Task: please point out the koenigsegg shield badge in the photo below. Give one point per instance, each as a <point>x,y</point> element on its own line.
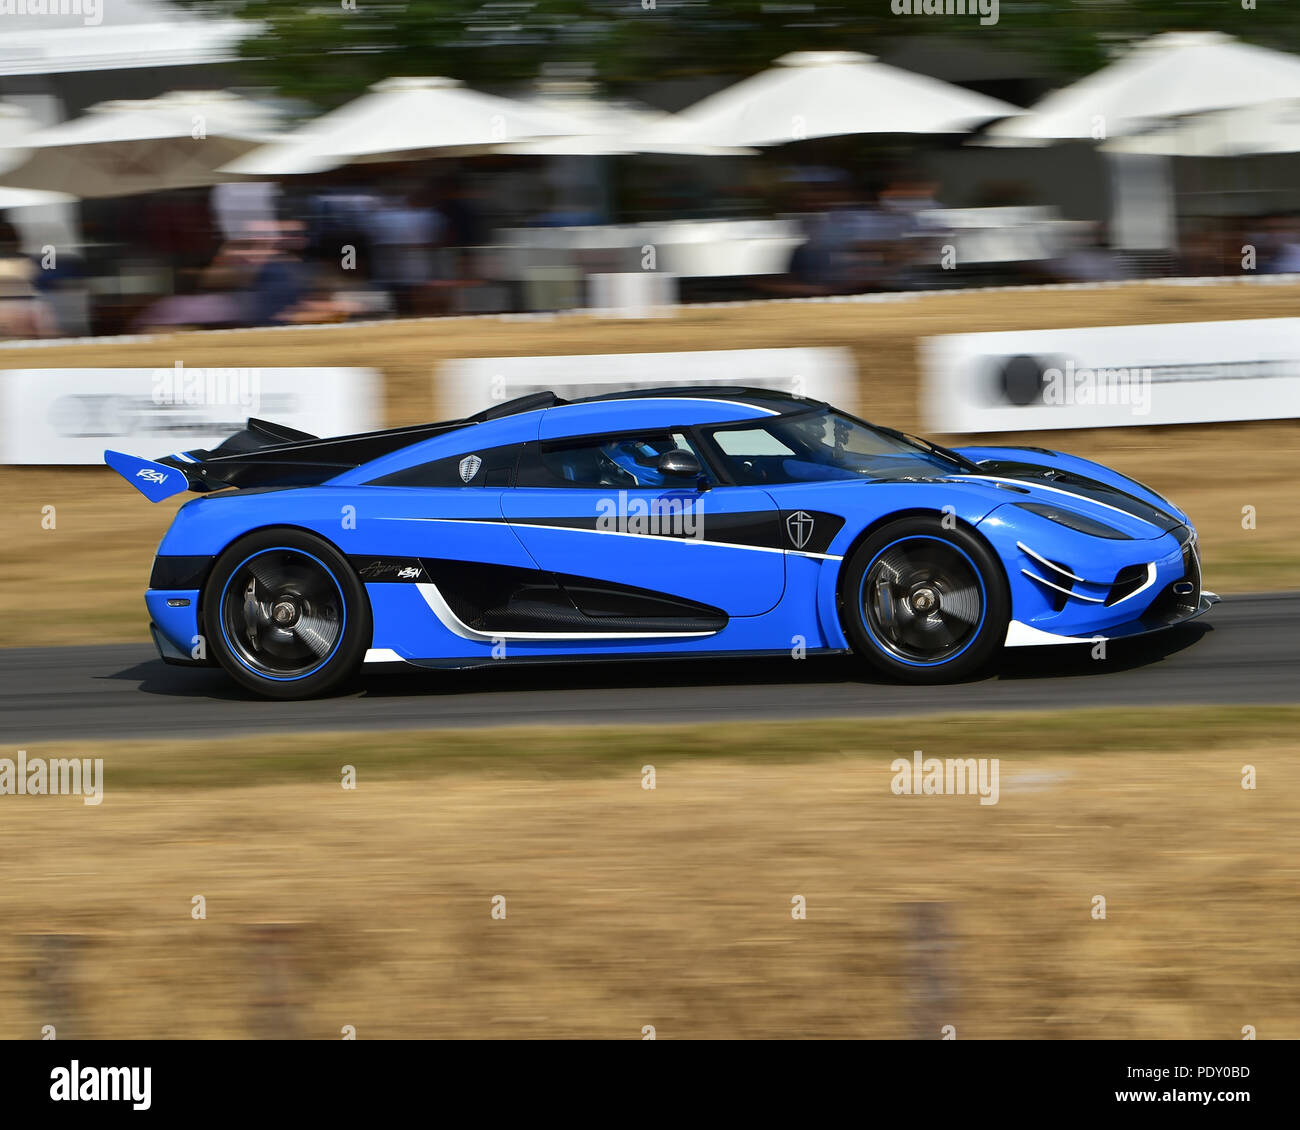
<point>469,467</point>
<point>800,528</point>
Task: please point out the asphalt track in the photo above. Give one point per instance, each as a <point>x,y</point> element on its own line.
<point>1243,651</point>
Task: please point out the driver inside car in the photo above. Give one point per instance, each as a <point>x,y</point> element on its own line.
<point>639,458</point>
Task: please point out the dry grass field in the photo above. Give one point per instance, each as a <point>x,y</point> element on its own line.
<point>106,531</point>
<point>627,907</point>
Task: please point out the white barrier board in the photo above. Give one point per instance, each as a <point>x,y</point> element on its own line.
<point>50,416</point>
<point>1112,376</point>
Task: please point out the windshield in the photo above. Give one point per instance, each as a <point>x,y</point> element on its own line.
<point>820,445</point>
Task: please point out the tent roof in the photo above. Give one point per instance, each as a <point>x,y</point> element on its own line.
<point>1166,76</point>
<point>404,119</point>
<point>828,93</point>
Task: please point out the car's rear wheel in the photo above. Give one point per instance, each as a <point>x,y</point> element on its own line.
<point>285,614</point>
<point>923,603</point>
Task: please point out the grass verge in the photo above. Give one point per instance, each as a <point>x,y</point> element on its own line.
<point>598,751</point>
<point>669,907</point>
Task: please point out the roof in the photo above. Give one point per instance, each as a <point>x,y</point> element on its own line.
<point>761,399</point>
<point>268,454</point>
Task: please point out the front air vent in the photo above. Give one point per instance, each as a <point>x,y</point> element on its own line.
<point>1127,581</point>
<point>1061,576</point>
<point>1057,581</point>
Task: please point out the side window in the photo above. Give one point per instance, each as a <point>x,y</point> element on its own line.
<point>622,462</point>
<point>752,455</point>
<point>754,441</point>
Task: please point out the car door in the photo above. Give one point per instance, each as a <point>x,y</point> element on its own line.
<point>596,507</point>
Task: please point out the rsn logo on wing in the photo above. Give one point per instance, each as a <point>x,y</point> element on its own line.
<point>150,475</point>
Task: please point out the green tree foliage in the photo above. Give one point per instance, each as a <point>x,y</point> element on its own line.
<point>328,51</point>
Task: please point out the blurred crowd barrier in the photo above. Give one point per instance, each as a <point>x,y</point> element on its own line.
<point>249,254</point>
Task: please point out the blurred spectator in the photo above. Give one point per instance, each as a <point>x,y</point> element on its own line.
<point>179,226</point>
<point>221,297</point>
<point>906,202</point>
<point>1090,258</point>
<point>238,206</point>
<point>404,234</point>
<point>1285,257</point>
<point>1208,248</point>
<point>461,207</point>
<point>467,230</point>
<point>913,254</point>
<point>339,216</point>
<point>23,313</point>
<point>845,249</point>
<point>280,281</point>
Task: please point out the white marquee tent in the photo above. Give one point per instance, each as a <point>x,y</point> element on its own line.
<point>405,119</point>
<point>810,94</point>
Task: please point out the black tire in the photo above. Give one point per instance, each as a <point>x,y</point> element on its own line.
<point>925,604</point>
<point>285,614</point>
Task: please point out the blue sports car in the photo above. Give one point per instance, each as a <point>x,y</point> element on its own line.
<point>650,524</point>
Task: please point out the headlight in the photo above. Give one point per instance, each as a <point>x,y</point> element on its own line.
<point>1074,521</point>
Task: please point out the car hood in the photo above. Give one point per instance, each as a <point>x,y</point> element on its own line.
<point>1057,479</point>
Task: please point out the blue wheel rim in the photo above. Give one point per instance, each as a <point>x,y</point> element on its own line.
<point>922,600</point>
<point>267,582</point>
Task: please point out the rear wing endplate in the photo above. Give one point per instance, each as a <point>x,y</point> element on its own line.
<point>155,481</point>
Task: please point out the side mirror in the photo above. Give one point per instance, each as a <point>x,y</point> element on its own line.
<point>678,464</point>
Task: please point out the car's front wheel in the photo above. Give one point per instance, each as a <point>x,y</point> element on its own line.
<point>285,614</point>
<point>924,603</point>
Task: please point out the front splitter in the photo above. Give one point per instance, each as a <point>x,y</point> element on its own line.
<point>1026,635</point>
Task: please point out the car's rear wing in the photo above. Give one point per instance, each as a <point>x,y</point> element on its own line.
<point>155,481</point>
<point>201,469</point>
<point>264,455</point>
